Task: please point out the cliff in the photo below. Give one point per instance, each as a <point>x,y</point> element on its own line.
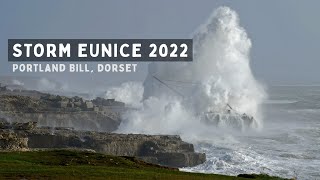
<point>157,149</point>
<point>59,111</point>
<point>49,122</point>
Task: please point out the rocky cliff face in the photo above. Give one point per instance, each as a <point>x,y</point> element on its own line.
<point>10,141</point>
<point>60,122</point>
<point>158,149</point>
<point>91,121</point>
<point>54,111</point>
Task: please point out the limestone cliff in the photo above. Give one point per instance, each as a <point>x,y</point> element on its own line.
<point>50,121</point>
<point>158,149</point>
<point>58,111</point>
<point>10,141</point>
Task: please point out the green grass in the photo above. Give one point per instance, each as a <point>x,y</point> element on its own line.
<point>65,164</point>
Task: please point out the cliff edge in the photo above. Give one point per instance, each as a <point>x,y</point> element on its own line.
<point>167,150</point>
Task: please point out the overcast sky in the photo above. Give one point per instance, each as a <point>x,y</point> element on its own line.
<point>285,34</point>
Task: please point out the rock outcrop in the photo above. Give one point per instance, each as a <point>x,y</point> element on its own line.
<point>50,121</point>
<point>10,141</point>
<point>168,150</point>
<point>158,149</point>
<point>59,111</point>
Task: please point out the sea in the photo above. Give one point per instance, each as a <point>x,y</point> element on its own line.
<point>287,145</point>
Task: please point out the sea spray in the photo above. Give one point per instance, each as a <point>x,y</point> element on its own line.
<point>220,75</point>
<point>128,92</point>
<point>177,95</point>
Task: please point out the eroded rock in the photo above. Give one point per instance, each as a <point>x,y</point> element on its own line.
<point>10,141</point>
<point>165,150</point>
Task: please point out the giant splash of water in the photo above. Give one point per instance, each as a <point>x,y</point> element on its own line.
<point>219,75</point>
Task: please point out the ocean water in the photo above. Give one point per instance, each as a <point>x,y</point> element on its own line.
<point>284,140</point>
<point>288,144</point>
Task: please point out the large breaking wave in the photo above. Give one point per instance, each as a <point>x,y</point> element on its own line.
<point>176,94</point>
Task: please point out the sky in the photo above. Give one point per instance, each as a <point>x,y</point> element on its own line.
<point>285,34</point>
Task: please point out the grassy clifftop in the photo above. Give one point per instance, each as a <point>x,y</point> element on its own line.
<point>63,164</point>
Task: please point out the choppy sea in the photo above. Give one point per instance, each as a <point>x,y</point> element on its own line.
<point>288,144</point>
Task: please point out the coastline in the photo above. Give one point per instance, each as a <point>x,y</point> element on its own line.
<point>72,164</point>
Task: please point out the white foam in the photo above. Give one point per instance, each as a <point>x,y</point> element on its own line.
<point>219,75</point>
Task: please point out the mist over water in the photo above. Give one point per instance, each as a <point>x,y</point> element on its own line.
<point>129,92</point>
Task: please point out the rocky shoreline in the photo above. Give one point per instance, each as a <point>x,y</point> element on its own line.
<point>31,120</point>
<point>157,149</point>
<point>63,130</point>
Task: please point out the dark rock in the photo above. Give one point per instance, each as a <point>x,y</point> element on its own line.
<point>4,124</point>
<point>249,176</point>
<point>24,126</point>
